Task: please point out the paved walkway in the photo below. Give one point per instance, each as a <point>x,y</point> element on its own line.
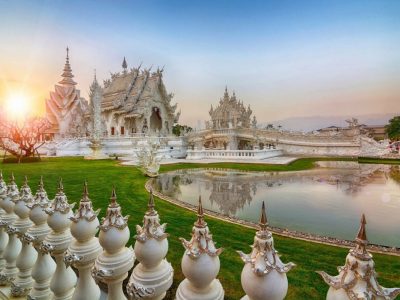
<point>278,160</point>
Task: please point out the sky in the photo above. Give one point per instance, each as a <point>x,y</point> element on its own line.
<point>285,58</point>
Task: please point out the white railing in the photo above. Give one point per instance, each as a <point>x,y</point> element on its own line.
<point>40,240</point>
<point>233,154</point>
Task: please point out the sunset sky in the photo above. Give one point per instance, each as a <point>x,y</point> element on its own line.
<point>284,58</point>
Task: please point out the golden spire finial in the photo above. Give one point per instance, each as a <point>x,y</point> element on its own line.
<point>362,234</point>
<point>263,219</point>
<point>200,216</point>
<point>113,198</point>
<point>150,204</point>
<point>41,184</point>
<point>85,193</point>
<point>60,186</point>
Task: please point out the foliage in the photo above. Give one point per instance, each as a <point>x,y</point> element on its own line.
<point>23,139</point>
<point>304,283</point>
<point>393,128</point>
<point>179,130</point>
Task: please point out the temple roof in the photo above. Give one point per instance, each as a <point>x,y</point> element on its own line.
<point>127,91</point>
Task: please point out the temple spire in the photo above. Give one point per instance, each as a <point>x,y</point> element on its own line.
<point>124,65</point>
<point>67,73</point>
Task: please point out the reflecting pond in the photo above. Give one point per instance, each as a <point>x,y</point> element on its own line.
<point>327,200</point>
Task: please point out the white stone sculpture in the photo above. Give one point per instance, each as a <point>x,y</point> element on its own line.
<point>13,247</point>
<point>96,96</point>
<point>148,158</point>
<point>112,266</point>
<point>357,278</point>
<point>64,279</point>
<point>153,276</point>
<point>27,257</point>
<point>264,275</point>
<point>85,248</point>
<point>3,234</point>
<point>200,264</point>
<point>44,266</point>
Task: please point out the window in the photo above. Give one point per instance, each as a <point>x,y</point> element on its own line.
<point>122,130</point>
<point>112,131</point>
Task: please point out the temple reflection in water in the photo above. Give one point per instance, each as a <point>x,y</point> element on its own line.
<point>333,188</point>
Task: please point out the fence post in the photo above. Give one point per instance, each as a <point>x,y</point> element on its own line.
<point>3,234</point>
<point>28,255</point>
<point>112,266</point>
<point>264,274</point>
<point>200,264</point>
<point>85,248</point>
<point>45,266</point>
<point>64,279</point>
<point>13,247</point>
<point>153,276</point>
<point>357,278</point>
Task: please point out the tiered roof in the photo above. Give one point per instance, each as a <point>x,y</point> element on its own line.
<point>127,92</point>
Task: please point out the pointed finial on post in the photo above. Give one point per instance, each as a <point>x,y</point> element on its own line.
<point>60,186</point>
<point>263,218</point>
<point>151,205</point>
<point>67,53</point>
<point>124,64</point>
<point>41,184</point>
<point>200,216</point>
<point>362,235</point>
<point>12,178</point>
<point>85,193</point>
<point>26,180</point>
<point>1,174</point>
<point>113,198</point>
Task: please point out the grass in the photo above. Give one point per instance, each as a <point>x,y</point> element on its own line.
<point>304,283</point>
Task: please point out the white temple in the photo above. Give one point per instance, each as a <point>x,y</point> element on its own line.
<point>133,108</point>
<point>132,101</point>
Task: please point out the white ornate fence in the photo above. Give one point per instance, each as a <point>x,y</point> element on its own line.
<point>233,154</point>
<point>40,240</point>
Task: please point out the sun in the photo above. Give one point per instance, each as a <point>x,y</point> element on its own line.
<point>17,105</point>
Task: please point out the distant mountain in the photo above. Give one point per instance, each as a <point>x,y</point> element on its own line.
<point>318,122</point>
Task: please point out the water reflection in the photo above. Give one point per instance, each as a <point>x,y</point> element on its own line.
<point>313,201</point>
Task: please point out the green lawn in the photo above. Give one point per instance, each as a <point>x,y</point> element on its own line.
<point>304,283</point>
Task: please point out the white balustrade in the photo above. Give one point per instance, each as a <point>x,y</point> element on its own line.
<point>153,276</point>
<point>84,248</point>
<point>112,266</point>
<point>64,279</point>
<point>233,154</point>
<point>44,266</point>
<point>71,240</point>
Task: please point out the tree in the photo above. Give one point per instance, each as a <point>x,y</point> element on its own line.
<point>178,129</point>
<point>393,128</point>
<point>23,139</point>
